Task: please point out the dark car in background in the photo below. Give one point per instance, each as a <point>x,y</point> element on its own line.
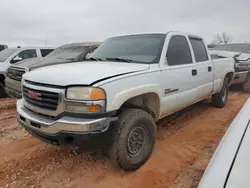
<point>68,53</point>
<point>2,47</point>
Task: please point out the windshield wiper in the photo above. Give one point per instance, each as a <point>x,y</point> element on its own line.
<point>119,59</point>
<point>95,59</point>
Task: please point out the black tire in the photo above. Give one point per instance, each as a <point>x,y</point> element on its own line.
<point>246,84</point>
<point>2,91</point>
<point>220,99</point>
<point>134,125</point>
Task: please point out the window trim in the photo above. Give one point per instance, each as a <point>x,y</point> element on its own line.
<point>189,47</point>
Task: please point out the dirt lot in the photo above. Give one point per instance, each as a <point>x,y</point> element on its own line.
<point>185,144</point>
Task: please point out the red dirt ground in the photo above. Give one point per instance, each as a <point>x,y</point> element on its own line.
<point>185,144</point>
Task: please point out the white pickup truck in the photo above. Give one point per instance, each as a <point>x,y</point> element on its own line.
<point>113,100</point>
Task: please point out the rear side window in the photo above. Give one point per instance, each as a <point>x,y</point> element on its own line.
<point>200,52</point>
<point>46,52</point>
<point>178,51</point>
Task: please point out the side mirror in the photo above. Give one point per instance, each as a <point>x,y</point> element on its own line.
<point>16,59</point>
<point>88,55</point>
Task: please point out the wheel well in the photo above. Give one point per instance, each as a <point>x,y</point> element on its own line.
<point>149,102</point>
<point>2,77</point>
<point>230,77</point>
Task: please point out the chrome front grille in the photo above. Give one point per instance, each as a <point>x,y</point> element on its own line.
<point>45,100</point>
<point>42,99</point>
<point>15,73</point>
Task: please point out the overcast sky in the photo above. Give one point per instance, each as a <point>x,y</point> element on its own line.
<point>28,22</point>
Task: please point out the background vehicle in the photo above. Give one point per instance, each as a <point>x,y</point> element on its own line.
<point>13,55</point>
<point>241,53</point>
<point>2,47</point>
<point>228,167</point>
<point>63,54</point>
<point>113,101</point>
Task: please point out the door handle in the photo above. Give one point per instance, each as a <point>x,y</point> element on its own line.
<point>194,72</point>
<point>209,69</point>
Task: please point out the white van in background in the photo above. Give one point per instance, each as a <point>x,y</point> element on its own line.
<point>13,55</point>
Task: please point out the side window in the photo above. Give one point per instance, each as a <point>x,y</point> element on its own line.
<point>46,52</point>
<point>178,51</point>
<point>27,54</point>
<point>200,52</point>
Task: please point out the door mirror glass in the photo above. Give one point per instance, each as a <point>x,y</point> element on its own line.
<point>90,52</point>
<point>88,55</point>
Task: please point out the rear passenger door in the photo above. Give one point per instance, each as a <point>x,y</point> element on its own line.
<point>204,68</point>
<point>179,76</point>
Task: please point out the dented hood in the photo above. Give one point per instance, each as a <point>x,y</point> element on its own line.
<point>82,73</point>
<point>35,63</point>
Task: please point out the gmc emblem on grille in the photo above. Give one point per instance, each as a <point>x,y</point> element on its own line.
<point>34,95</point>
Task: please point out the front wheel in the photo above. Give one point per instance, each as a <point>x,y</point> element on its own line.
<point>133,139</point>
<point>220,99</point>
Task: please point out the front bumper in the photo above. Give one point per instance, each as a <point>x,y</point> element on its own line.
<point>240,77</point>
<point>240,67</point>
<point>13,88</point>
<point>64,131</point>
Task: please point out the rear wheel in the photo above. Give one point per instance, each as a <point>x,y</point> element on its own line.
<point>220,99</point>
<point>2,91</point>
<point>134,139</point>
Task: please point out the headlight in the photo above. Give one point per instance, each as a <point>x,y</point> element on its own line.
<point>85,93</point>
<point>85,99</point>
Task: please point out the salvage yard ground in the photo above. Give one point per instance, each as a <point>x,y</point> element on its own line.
<point>185,143</point>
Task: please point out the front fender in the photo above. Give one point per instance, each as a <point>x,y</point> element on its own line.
<point>3,71</point>
<point>121,97</point>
